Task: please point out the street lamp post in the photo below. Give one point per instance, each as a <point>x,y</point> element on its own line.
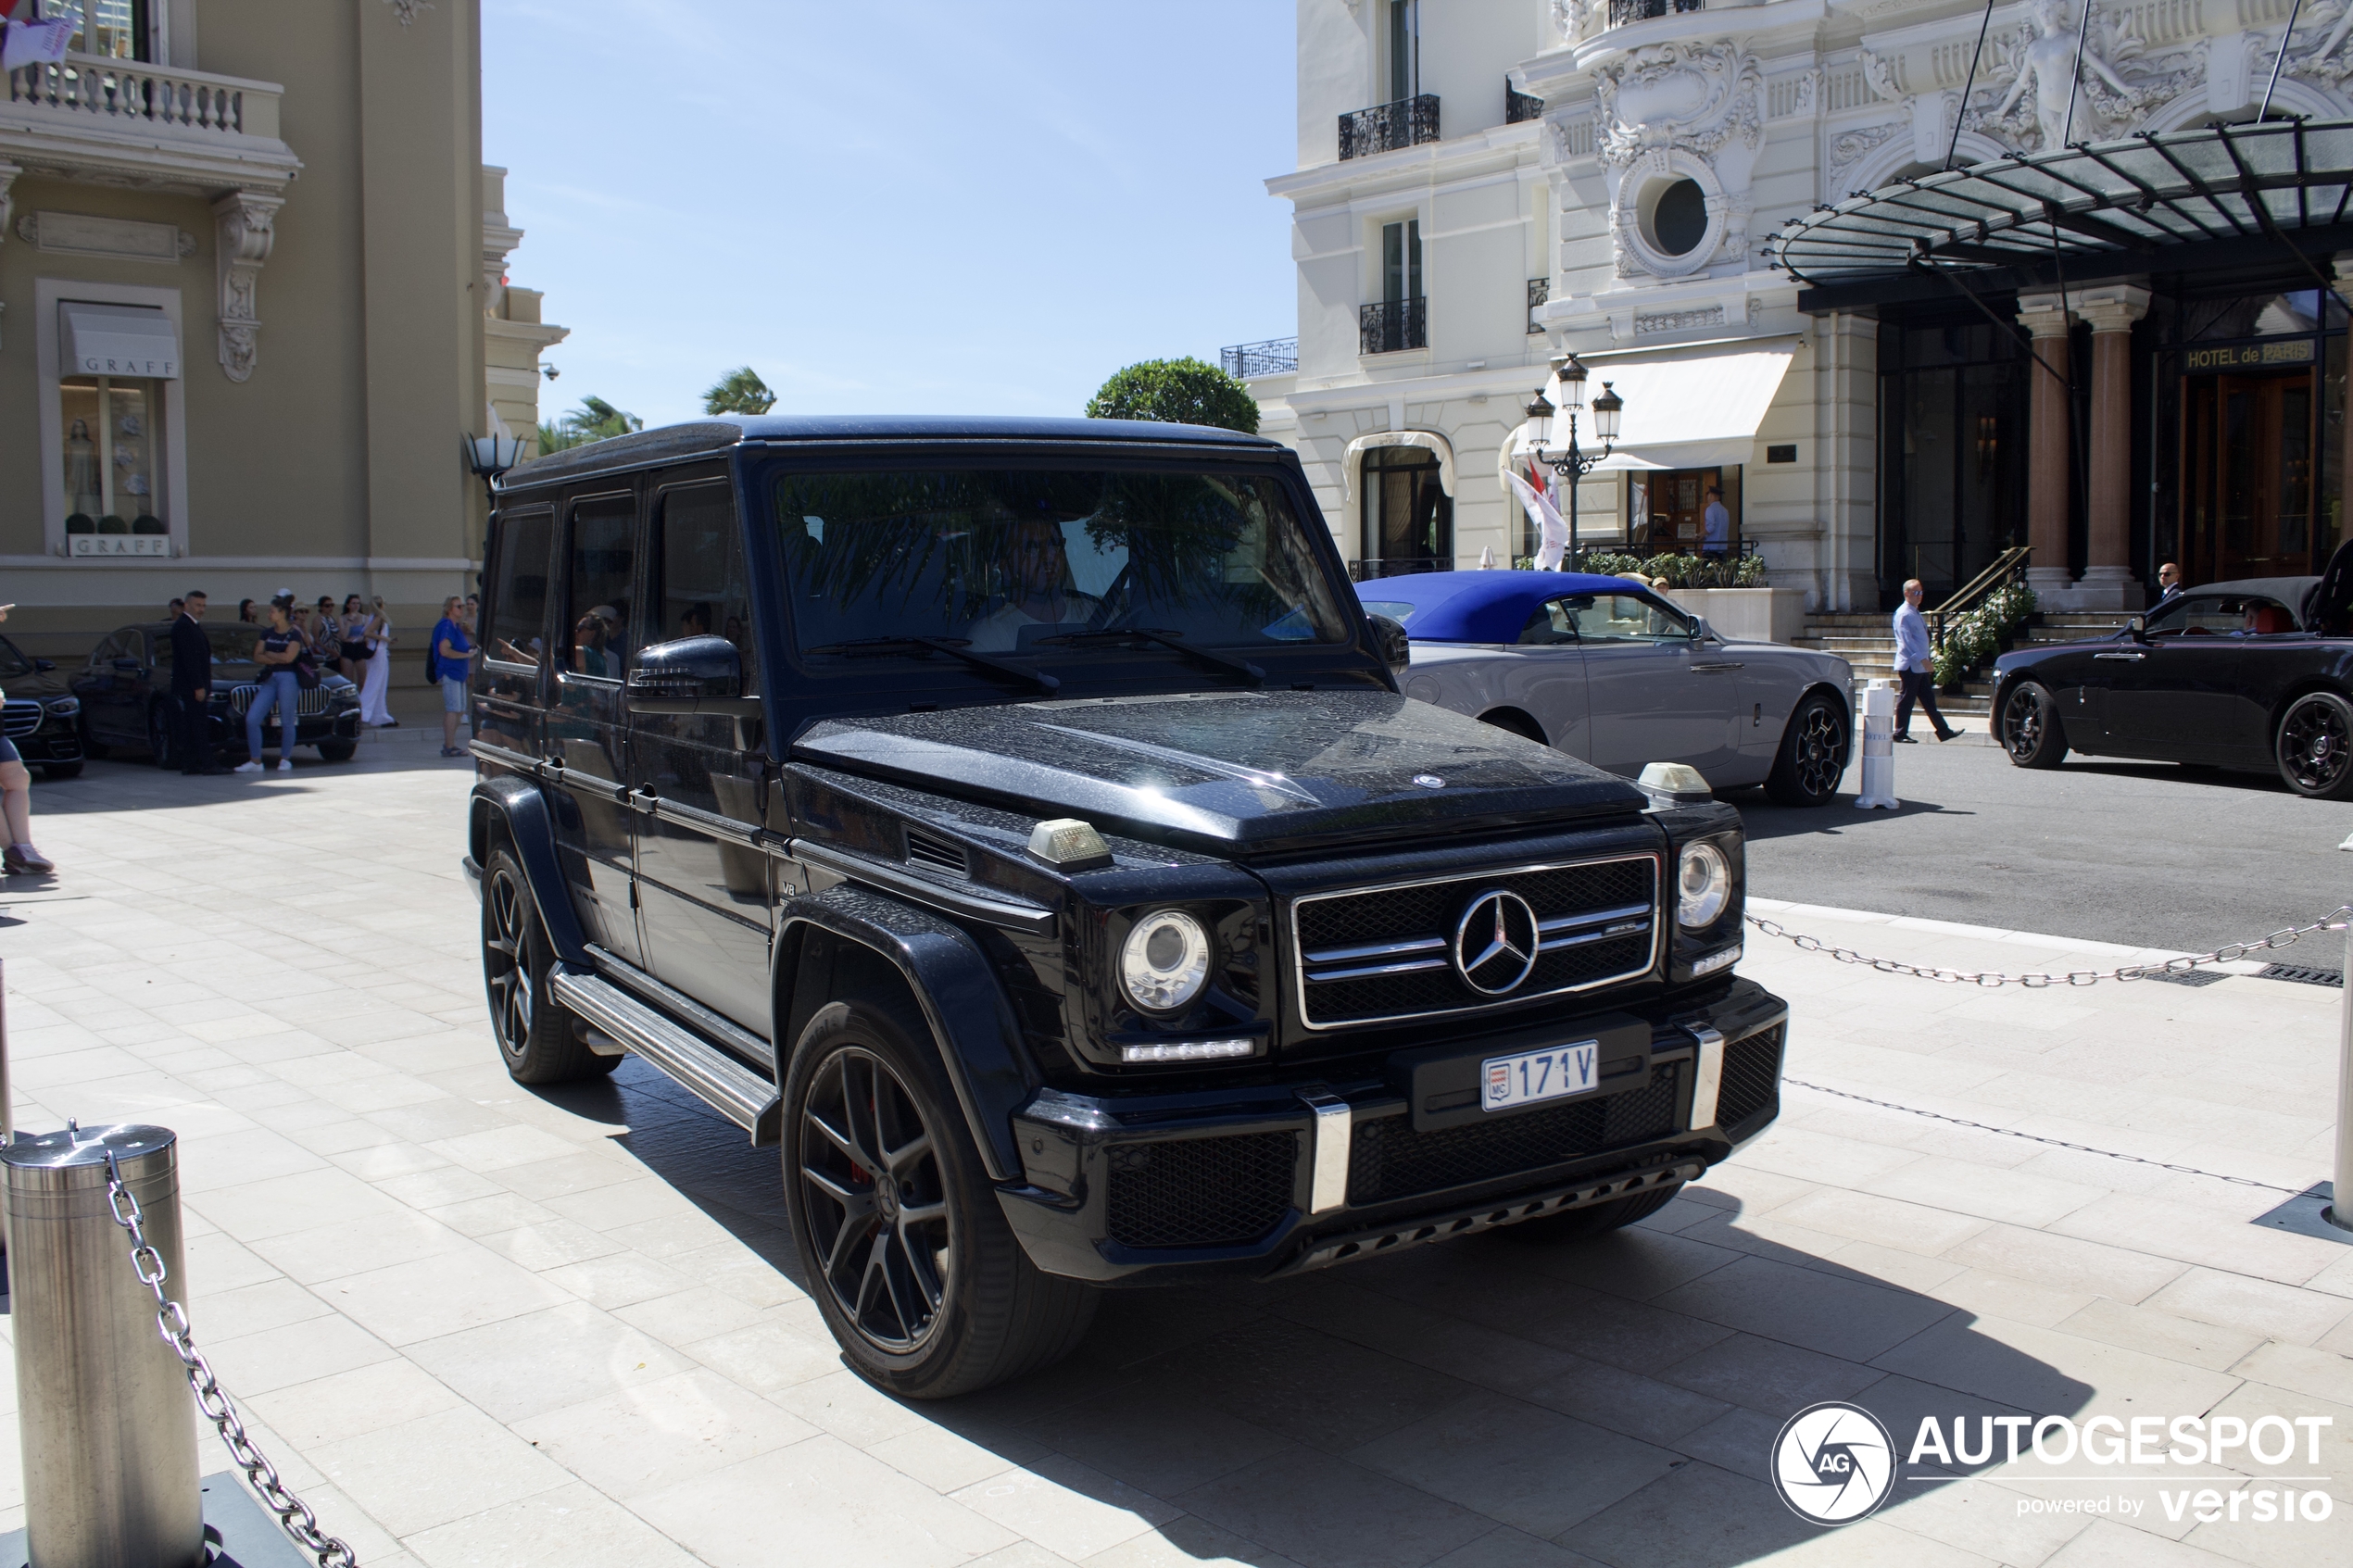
<point>1575,463</point>
<point>490,456</point>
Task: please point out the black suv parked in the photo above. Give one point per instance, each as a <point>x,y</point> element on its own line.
<point>1018,823</point>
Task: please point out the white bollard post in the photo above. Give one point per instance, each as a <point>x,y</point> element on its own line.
<point>2340,1210</point>
<point>1879,746</point>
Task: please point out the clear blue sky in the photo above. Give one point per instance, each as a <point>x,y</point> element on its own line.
<point>926,206</point>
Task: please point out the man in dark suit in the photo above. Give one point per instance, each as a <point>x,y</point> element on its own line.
<point>192,688</point>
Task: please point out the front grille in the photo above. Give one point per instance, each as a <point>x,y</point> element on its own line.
<point>1752,1078</point>
<point>1388,1160</point>
<point>23,716</point>
<point>316,703</point>
<point>1200,1192</point>
<point>1378,954</point>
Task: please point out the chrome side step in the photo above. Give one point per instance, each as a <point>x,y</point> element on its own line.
<point>733,1091</point>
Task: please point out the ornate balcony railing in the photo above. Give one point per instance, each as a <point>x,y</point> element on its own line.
<point>1393,326</point>
<point>127,94</point>
<point>1276,356</point>
<point>1384,128</point>
<point>1519,105</point>
<point>1540,291</point>
<point>1624,11</point>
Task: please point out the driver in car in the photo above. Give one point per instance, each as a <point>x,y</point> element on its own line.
<point>1038,588</point>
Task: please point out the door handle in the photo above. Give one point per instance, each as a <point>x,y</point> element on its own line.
<point>2129,657</point>
<point>1701,667</point>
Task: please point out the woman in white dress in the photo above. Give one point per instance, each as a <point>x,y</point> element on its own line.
<point>378,679</point>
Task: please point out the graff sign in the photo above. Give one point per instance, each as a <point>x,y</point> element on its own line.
<point>2249,355</point>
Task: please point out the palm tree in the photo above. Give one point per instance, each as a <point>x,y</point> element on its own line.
<point>740,391</point>
<point>596,420</point>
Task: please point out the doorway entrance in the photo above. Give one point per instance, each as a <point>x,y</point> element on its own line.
<point>2247,495</point>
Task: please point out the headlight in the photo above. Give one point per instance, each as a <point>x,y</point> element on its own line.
<point>1704,883</point>
<point>1165,960</point>
<point>66,707</point>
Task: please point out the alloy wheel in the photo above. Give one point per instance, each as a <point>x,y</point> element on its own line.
<point>2023,722</point>
<point>873,1195</point>
<point>506,964</point>
<point>1820,752</point>
<point>2315,749</point>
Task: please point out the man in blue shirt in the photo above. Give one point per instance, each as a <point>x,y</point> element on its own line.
<point>452,657</point>
<point>1916,666</point>
<point>1718,541</point>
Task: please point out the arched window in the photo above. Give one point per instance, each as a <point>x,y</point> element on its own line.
<point>1409,519</point>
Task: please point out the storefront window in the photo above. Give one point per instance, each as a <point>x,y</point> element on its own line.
<point>1669,507</point>
<point>112,425</point>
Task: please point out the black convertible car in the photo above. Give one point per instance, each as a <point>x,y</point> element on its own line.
<point>2229,675</point>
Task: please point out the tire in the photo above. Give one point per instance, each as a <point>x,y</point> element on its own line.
<point>2032,732</point>
<point>1518,723</point>
<point>1812,758</point>
<point>338,750</point>
<point>60,770</point>
<point>535,1034</point>
<point>1577,1225</point>
<point>159,737</point>
<point>901,1241</point>
<point>2314,746</point>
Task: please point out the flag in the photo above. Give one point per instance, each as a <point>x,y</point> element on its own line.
<point>29,44</point>
<point>1551,533</point>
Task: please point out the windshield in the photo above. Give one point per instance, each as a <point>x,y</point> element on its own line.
<point>1007,561</point>
<point>11,661</point>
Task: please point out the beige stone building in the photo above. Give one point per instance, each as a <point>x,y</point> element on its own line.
<point>252,305</point>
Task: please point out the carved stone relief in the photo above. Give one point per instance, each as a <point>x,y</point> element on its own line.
<point>9,172</point>
<point>1676,111</point>
<point>245,227</point>
<point>2030,79</point>
<point>1851,147</point>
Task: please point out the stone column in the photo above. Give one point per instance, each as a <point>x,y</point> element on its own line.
<point>2047,446</point>
<point>2108,583</point>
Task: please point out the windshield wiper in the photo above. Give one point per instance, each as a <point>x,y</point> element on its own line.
<point>1210,657</point>
<point>953,646</point>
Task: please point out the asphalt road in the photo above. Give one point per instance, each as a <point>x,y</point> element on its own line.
<point>2147,853</point>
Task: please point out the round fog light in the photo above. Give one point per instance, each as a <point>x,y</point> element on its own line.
<point>1164,962</point>
<point>1705,886</point>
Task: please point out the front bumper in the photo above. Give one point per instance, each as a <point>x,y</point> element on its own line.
<point>55,741</point>
<point>1279,1177</point>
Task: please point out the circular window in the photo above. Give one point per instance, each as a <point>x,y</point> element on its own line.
<point>1679,219</point>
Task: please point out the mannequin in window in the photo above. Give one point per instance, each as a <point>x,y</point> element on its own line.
<point>81,471</point>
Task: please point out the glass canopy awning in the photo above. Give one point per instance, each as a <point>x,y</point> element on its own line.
<point>2109,200</point>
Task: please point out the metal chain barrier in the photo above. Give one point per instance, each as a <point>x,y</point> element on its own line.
<point>171,1319</point>
<point>2335,919</point>
<point>2036,1137</point>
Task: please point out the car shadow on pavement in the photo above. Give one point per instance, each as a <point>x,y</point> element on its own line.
<point>2230,779</point>
<point>1619,1397</point>
<point>1763,820</point>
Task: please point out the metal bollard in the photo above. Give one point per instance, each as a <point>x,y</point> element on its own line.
<point>109,1442</point>
<point>1879,746</point>
<point>2340,1210</point>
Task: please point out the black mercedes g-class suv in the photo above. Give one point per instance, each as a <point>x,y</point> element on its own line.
<point>1018,823</point>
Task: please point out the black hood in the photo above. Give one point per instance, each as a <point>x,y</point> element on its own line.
<point>1234,773</point>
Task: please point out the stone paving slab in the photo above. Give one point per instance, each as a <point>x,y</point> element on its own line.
<point>477,1323</point>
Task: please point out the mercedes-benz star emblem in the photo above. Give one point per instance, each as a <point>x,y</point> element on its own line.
<point>1429,781</point>
<point>1495,944</point>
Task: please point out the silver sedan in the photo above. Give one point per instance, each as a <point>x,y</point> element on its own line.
<point>1608,671</point>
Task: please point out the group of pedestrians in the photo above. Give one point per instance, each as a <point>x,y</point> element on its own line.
<point>294,646</point>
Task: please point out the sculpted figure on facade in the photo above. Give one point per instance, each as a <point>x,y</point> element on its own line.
<point>2042,59</point>
<point>1568,18</point>
<point>1677,111</point>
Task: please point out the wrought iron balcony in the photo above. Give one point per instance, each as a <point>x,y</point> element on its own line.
<point>1276,356</point>
<point>1519,105</point>
<point>1384,128</point>
<point>1540,291</point>
<point>1393,326</point>
<point>1624,11</point>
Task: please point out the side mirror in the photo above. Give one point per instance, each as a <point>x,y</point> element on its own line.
<point>43,666</point>
<point>2138,628</point>
<point>1388,636</point>
<point>691,675</point>
<point>126,665</point>
<point>1699,628</point>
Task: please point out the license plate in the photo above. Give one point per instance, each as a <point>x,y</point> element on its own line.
<point>1557,1073</point>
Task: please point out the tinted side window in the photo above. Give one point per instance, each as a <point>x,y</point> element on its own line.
<point>1552,622</point>
<point>519,592</point>
<point>1625,617</point>
<point>604,560</point>
<point>106,653</point>
<point>698,588</point>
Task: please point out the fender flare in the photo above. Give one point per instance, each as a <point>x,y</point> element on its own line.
<point>519,804</point>
<point>972,1024</point>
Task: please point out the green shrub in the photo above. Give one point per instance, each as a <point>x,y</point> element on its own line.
<point>82,523</point>
<point>112,524</point>
<point>1183,392</point>
<point>1976,636</point>
<point>148,523</point>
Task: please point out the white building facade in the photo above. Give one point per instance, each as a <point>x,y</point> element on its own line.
<point>1484,183</point>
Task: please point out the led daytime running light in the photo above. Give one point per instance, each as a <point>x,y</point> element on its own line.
<point>1188,1050</point>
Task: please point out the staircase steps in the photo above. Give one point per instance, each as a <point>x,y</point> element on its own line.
<point>1867,641</point>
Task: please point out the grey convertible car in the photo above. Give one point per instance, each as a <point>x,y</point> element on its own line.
<point>1608,671</point>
